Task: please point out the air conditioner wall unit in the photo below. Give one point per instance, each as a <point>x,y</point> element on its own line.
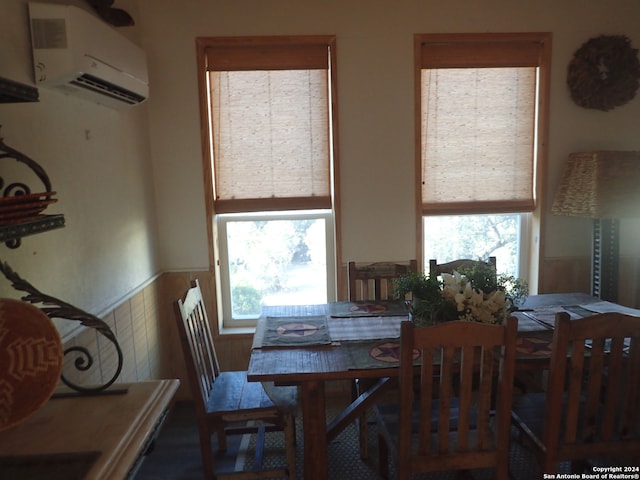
<point>78,54</point>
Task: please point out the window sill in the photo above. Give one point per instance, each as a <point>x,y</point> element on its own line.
<point>241,331</point>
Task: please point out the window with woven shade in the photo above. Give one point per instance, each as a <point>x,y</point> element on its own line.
<point>480,130</point>
<point>268,117</point>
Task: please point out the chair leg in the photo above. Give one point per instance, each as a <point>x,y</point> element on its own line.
<point>363,435</point>
<point>580,466</point>
<point>501,471</point>
<point>290,444</point>
<point>363,427</point>
<point>383,457</point>
<point>206,454</point>
<point>222,439</point>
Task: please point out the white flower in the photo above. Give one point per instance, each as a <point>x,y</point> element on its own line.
<point>473,304</point>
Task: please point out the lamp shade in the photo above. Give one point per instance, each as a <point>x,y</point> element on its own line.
<point>599,184</point>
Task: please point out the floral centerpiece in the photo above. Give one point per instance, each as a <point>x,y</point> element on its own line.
<point>474,294</point>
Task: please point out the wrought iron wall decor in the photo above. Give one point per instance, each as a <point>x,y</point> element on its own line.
<point>21,209</point>
<point>56,308</point>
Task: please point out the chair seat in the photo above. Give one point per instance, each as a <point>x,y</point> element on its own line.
<point>387,416</point>
<point>527,416</point>
<point>232,392</point>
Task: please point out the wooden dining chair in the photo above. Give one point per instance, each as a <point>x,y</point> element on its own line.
<point>591,407</point>
<point>436,269</point>
<point>372,281</point>
<point>465,424</point>
<point>225,401</point>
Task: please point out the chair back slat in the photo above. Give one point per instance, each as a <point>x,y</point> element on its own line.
<point>465,396</point>
<point>487,382</point>
<point>436,269</point>
<point>374,281</point>
<point>574,390</point>
<point>474,365</point>
<point>426,403</point>
<point>197,344</point>
<point>594,384</point>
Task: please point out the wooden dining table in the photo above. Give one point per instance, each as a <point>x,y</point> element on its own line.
<point>310,345</point>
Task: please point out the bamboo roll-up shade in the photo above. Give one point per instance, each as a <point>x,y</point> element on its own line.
<point>271,139</point>
<point>478,140</point>
<point>599,184</point>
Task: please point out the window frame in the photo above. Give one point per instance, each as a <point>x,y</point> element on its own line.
<point>202,44</point>
<point>532,250</point>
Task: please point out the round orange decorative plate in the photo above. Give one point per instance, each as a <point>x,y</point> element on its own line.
<point>30,358</point>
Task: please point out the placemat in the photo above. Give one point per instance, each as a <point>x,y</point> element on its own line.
<point>382,353</point>
<point>296,331</point>
<point>378,308</point>
<point>364,328</point>
<point>534,346</point>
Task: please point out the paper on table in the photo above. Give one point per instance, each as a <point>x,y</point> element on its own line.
<point>605,307</point>
<point>547,315</point>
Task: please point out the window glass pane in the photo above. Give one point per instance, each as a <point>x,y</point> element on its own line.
<point>275,262</point>
<point>448,238</point>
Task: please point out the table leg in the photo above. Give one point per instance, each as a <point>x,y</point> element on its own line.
<point>314,425</point>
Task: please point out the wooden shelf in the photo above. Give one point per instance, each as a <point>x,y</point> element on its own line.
<point>12,234</point>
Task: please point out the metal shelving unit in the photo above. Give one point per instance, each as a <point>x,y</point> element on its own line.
<point>12,234</point>
<point>21,211</point>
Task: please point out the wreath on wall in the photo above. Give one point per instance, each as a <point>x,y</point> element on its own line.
<point>604,72</point>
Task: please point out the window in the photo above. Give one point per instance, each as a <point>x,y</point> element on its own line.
<point>478,236</point>
<point>482,121</point>
<point>270,160</point>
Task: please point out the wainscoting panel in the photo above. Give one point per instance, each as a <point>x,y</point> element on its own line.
<point>573,274</point>
<point>135,323</point>
<point>566,275</point>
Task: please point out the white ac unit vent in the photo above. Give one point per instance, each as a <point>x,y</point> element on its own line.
<point>78,54</point>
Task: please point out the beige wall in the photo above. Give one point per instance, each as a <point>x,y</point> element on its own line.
<point>130,182</point>
<point>375,94</point>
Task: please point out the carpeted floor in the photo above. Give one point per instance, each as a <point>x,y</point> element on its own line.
<point>176,455</point>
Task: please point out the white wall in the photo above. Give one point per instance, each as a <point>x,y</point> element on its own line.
<point>99,164</point>
<point>375,91</point>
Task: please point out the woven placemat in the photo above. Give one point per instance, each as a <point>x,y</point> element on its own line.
<point>377,308</point>
<point>296,332</point>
